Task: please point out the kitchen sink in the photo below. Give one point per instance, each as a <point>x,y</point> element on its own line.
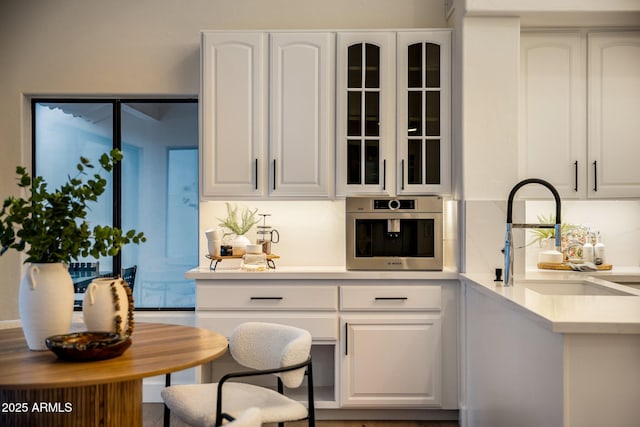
<point>634,285</point>
<point>575,288</point>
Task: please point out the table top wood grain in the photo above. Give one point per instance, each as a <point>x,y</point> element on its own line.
<point>156,349</point>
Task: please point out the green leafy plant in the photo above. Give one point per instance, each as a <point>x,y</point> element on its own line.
<point>242,225</point>
<point>51,226</point>
<point>541,234</point>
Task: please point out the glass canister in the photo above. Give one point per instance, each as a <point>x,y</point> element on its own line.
<point>254,259</point>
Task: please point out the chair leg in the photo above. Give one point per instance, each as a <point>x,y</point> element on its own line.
<point>281,391</point>
<point>167,412</point>
<point>311,405</point>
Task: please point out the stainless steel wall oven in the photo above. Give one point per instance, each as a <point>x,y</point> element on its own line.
<point>394,233</point>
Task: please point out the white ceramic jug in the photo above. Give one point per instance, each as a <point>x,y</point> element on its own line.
<point>45,302</point>
<point>104,300</point>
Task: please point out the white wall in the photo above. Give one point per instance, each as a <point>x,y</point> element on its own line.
<point>142,47</point>
<point>311,232</point>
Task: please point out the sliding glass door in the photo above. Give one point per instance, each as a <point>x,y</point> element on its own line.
<point>154,189</point>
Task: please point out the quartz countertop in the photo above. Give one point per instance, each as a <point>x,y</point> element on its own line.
<point>570,313</point>
<point>314,273</point>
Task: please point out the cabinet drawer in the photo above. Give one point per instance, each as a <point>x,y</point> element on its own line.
<point>322,327</point>
<point>267,297</point>
<point>390,298</point>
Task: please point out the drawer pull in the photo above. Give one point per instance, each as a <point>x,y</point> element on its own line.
<point>391,298</point>
<point>266,298</point>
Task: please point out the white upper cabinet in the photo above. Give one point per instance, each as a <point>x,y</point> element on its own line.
<point>301,108</point>
<point>579,99</point>
<point>232,114</point>
<point>365,111</point>
<point>254,81</point>
<point>614,114</point>
<point>313,114</point>
<point>424,112</point>
<point>552,141</point>
<point>393,112</point>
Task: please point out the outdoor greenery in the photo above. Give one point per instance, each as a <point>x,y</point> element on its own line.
<point>242,225</point>
<point>51,226</point>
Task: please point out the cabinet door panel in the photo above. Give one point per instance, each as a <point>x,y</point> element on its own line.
<point>424,112</point>
<point>232,108</point>
<point>552,142</point>
<point>365,112</point>
<point>411,345</point>
<point>614,103</point>
<point>301,120</point>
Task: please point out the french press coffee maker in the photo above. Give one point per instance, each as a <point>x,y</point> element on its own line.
<point>267,235</point>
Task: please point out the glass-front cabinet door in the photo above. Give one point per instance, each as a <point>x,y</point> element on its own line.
<point>365,112</point>
<point>424,109</point>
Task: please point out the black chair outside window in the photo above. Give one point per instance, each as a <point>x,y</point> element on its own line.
<point>82,274</point>
<point>129,275</point>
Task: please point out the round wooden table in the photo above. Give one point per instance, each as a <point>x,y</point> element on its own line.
<point>37,388</point>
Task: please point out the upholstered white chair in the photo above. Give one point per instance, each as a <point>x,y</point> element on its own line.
<point>249,418</point>
<point>267,349</point>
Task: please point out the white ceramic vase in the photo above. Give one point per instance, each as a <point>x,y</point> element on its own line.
<point>45,302</point>
<point>239,245</point>
<point>99,308</point>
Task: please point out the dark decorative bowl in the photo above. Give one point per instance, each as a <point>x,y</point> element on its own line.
<point>88,346</point>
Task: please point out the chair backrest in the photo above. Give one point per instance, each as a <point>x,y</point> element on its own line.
<point>129,275</point>
<point>84,266</point>
<point>260,345</point>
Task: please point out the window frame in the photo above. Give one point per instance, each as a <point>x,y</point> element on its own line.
<point>116,104</point>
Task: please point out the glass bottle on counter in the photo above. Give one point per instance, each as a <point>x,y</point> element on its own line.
<point>587,249</point>
<point>598,252</point>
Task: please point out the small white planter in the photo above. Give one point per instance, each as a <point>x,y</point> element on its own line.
<point>45,302</point>
<point>239,245</point>
<point>99,308</point>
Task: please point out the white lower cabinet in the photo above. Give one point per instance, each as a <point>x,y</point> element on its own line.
<point>391,346</point>
<point>391,360</point>
<point>375,346</point>
<point>221,306</point>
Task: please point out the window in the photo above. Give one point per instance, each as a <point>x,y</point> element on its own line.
<point>154,189</point>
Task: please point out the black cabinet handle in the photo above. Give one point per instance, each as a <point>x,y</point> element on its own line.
<point>402,174</point>
<point>391,298</point>
<point>575,169</point>
<point>384,174</point>
<point>346,339</point>
<point>595,175</point>
<point>266,298</point>
<point>256,169</point>
<point>274,174</point>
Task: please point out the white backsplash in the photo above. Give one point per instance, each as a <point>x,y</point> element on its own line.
<point>311,232</point>
<point>617,220</point>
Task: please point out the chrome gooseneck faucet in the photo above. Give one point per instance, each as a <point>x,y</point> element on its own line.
<point>508,245</point>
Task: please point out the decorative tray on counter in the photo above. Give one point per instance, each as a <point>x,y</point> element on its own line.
<point>216,259</point>
<point>565,266</point>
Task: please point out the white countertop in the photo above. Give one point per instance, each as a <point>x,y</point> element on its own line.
<point>314,273</point>
<point>570,313</point>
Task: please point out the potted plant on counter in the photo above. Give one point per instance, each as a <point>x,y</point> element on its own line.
<point>51,227</point>
<point>239,227</point>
